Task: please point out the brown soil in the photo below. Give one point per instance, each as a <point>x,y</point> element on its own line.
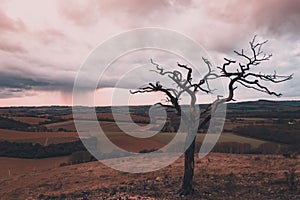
<point>30,120</point>
<point>70,125</point>
<point>134,144</point>
<point>109,116</point>
<point>38,137</point>
<point>218,176</point>
<point>18,166</point>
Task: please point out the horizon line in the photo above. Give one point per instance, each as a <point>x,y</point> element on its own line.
<point>204,103</point>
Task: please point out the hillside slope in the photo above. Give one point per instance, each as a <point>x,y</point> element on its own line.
<point>219,176</point>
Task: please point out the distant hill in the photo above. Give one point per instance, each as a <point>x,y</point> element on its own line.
<point>264,109</point>
<point>253,109</point>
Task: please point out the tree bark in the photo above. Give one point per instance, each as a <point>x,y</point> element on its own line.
<point>187,185</point>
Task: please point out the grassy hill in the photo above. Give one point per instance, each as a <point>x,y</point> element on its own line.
<point>219,176</point>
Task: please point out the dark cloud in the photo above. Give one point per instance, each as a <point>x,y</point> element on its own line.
<point>4,94</point>
<point>15,90</point>
<point>279,17</point>
<point>273,16</point>
<point>15,82</point>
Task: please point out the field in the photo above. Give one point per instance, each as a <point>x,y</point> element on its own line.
<point>219,176</point>
<point>229,137</point>
<point>122,140</point>
<point>243,175</point>
<point>43,138</point>
<point>165,138</point>
<point>13,167</point>
<point>68,125</point>
<point>30,120</point>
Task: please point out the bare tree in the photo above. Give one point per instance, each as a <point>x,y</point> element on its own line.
<point>240,73</point>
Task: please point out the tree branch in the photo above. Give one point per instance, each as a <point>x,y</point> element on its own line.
<point>244,77</point>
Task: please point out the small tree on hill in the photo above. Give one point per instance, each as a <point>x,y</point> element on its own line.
<point>238,74</point>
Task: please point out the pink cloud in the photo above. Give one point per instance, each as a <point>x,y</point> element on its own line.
<point>49,35</point>
<point>11,47</point>
<point>86,12</point>
<point>9,24</point>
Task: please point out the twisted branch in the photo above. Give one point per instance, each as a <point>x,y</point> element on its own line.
<point>244,77</point>
<point>182,84</point>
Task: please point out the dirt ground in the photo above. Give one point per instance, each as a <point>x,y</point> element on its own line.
<point>37,137</point>
<point>19,166</point>
<point>217,176</point>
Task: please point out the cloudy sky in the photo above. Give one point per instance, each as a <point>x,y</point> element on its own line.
<point>44,42</point>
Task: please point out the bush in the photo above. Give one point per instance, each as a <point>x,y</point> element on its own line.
<point>291,179</point>
<point>268,148</point>
<point>232,147</point>
<point>285,134</point>
<point>147,150</point>
<point>80,157</point>
<point>30,150</point>
<point>6,123</point>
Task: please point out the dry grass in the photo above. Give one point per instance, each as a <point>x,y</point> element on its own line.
<point>108,116</point>
<point>224,176</point>
<point>37,137</point>
<point>133,144</point>
<point>122,117</point>
<point>30,120</point>
<point>68,125</point>
<point>12,167</point>
<point>105,125</point>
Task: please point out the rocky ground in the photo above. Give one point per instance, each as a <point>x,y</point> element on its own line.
<point>218,176</point>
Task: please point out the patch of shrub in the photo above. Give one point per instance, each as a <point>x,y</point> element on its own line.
<point>283,134</point>
<point>232,147</point>
<point>147,150</point>
<point>80,157</point>
<point>268,148</point>
<point>30,150</point>
<point>6,123</point>
<point>290,177</point>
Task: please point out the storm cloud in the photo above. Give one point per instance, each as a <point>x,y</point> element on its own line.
<point>44,43</point>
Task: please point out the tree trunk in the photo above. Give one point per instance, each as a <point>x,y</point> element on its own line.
<point>187,185</point>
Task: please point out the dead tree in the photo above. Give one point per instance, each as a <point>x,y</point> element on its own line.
<point>241,74</point>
